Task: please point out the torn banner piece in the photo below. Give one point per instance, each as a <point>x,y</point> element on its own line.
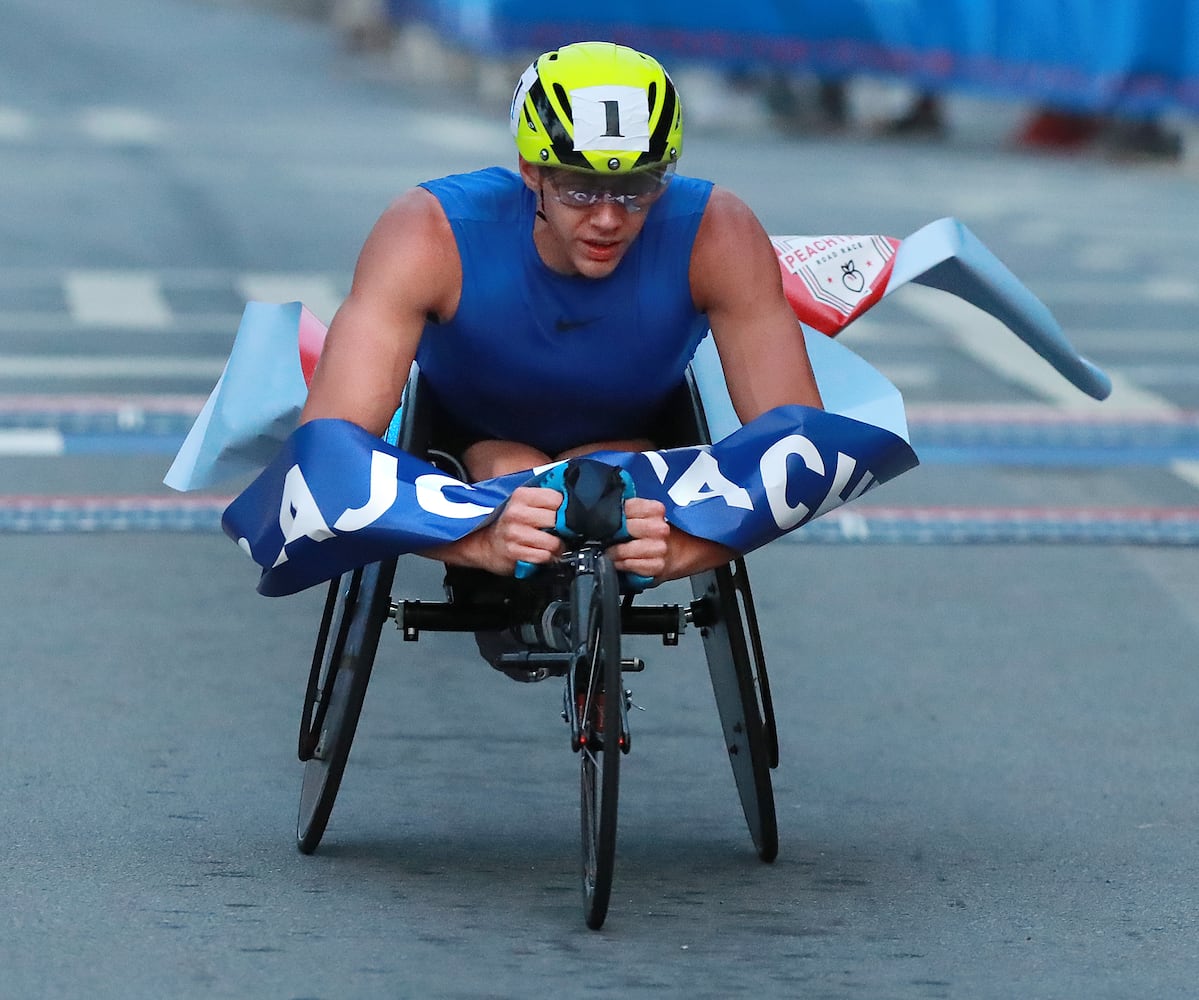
<point>832,280</point>
<point>337,497</point>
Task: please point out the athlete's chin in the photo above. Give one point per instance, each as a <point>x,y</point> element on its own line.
<point>598,261</point>
<point>589,269</point>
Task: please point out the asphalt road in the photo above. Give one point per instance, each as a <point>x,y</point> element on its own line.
<point>989,759</point>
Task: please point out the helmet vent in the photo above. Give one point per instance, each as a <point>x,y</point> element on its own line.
<point>564,100</point>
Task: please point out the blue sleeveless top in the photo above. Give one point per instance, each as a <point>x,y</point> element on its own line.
<point>551,360</point>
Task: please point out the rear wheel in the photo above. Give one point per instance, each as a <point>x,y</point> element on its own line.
<point>599,701</point>
<point>738,670</point>
<point>355,610</point>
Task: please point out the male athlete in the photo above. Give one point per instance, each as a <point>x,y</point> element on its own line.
<point>552,311</point>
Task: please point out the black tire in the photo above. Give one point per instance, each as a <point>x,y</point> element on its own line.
<point>600,700</point>
<point>358,605</point>
<point>738,671</point>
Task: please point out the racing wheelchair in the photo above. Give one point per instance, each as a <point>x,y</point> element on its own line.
<point>574,615</point>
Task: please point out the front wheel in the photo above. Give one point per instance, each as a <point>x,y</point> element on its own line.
<point>599,702</point>
<point>356,608</point>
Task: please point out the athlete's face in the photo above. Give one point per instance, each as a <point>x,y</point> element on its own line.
<point>586,230</point>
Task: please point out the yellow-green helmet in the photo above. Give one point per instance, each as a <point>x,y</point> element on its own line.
<point>597,106</point>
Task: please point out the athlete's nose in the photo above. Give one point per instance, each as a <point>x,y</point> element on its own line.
<point>608,215</point>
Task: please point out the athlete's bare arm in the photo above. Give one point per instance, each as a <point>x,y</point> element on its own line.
<point>735,279</point>
<point>408,269</point>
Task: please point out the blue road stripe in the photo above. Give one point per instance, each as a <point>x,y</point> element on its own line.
<point>133,422</point>
<point>1054,455</point>
<point>70,515</point>
<point>120,443</point>
<point>850,526</point>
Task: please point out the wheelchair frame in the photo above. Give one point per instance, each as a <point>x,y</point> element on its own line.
<point>360,602</point>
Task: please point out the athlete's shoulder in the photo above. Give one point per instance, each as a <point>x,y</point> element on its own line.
<point>494,193</point>
<point>727,213</point>
<point>732,254</point>
<point>683,198</point>
<point>692,186</point>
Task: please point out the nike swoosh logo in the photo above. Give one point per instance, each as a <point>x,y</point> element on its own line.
<point>566,325</point>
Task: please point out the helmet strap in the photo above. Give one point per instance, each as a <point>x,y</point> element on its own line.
<point>541,209</point>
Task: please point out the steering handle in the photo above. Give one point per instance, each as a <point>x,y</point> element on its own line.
<point>592,510</point>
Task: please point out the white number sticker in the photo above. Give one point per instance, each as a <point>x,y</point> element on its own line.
<point>610,117</point>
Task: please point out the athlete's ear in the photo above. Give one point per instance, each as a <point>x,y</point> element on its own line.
<point>530,173</point>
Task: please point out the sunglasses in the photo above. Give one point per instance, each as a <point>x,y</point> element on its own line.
<point>635,192</point>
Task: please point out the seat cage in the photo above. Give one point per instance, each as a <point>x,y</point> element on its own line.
<point>480,601</point>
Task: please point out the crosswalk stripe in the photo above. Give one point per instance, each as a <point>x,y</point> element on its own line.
<point>316,291</point>
<point>122,126</point>
<point>909,376</point>
<point>984,339</point>
<point>32,441</point>
<point>14,124</point>
<point>1187,471</point>
<point>987,341</point>
<point>88,366</point>
<point>1118,290</point>
<point>116,298</point>
<point>176,323</point>
<point>1171,289</point>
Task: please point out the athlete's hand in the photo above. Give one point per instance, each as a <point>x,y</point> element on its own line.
<point>647,552</point>
<point>519,534</point>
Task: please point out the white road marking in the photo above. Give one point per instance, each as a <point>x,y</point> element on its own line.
<point>116,298</point>
<point>1187,471</point>
<point>31,442</point>
<point>122,126</point>
<point>880,328</point>
<point>15,124</point>
<point>87,366</point>
<point>135,299</point>
<point>1102,257</point>
<point>1162,374</point>
<point>460,133</point>
<point>317,292</point>
<point>63,322</point>
<point>991,344</point>
<point>384,181</point>
<point>1166,288</point>
<point>1039,232</point>
<point>1136,341</point>
<point>909,376</point>
<point>1172,289</point>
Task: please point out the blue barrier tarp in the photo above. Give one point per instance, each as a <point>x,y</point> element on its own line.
<point>1134,57</point>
